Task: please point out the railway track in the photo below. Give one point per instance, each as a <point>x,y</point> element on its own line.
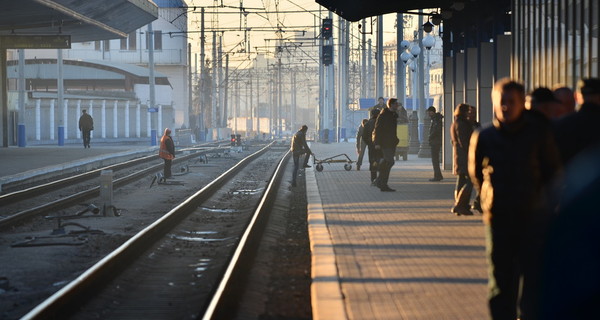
<point>88,191</point>
<point>169,269</point>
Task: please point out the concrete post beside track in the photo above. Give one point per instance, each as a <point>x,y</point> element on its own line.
<point>106,189</point>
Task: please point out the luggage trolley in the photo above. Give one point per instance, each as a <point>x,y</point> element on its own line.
<point>319,163</point>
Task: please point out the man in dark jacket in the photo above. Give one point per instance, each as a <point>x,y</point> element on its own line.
<point>577,131</point>
<point>386,140</point>
<point>511,164</point>
<point>374,155</point>
<point>361,145</point>
<point>435,142</point>
<point>86,125</point>
<point>299,147</point>
<point>460,133</point>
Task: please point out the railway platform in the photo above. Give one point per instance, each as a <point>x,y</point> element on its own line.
<point>392,255</point>
<point>20,164</point>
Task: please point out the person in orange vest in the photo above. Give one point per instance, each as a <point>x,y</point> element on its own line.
<point>167,151</point>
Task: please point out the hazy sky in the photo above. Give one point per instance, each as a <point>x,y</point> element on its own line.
<point>264,14</point>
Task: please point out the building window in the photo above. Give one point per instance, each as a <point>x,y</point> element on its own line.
<point>129,43</point>
<point>157,40</point>
<point>103,45</point>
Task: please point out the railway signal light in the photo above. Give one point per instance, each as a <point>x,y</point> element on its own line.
<point>327,28</point>
<point>327,54</point>
<point>233,140</point>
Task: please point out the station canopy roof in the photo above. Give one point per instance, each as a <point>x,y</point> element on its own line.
<point>82,20</point>
<point>354,10</point>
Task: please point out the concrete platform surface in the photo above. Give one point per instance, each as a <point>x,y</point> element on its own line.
<point>392,255</point>
<point>29,162</point>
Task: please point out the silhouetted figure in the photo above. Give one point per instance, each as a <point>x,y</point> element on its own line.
<point>86,125</point>
<point>571,276</point>
<point>460,133</point>
<point>579,130</point>
<point>511,164</point>
<point>361,145</point>
<point>374,154</point>
<point>386,140</point>
<point>298,148</point>
<point>542,100</point>
<point>566,98</point>
<point>435,142</point>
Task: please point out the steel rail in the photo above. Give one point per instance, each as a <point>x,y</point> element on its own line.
<point>93,192</point>
<point>16,196</point>
<point>67,300</point>
<point>224,302</point>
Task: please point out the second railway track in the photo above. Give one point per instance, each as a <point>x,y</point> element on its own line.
<point>198,245</point>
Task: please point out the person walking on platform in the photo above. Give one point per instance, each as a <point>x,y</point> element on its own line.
<point>86,125</point>
<point>579,130</point>
<point>512,164</point>
<point>476,126</point>
<point>167,152</point>
<point>374,155</point>
<point>435,142</point>
<point>361,145</point>
<point>385,139</point>
<point>460,133</point>
<point>299,147</point>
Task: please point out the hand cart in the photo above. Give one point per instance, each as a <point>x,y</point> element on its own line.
<point>319,163</point>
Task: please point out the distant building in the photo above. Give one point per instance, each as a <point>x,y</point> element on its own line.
<point>114,70</point>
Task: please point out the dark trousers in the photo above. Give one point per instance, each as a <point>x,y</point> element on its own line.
<point>167,168</point>
<point>462,191</point>
<point>385,166</point>
<point>296,156</point>
<point>361,153</point>
<point>374,157</point>
<point>86,137</point>
<point>435,160</point>
<point>514,272</point>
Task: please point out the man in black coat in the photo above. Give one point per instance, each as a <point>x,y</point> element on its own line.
<point>386,140</point>
<point>435,142</point>
<point>577,131</point>
<point>511,164</point>
<point>86,125</point>
<point>367,137</point>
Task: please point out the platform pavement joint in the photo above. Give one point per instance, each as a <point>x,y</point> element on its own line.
<point>392,255</point>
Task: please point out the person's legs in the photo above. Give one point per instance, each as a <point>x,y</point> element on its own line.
<point>373,160</point>
<point>296,158</point>
<point>306,158</point>
<point>86,138</point>
<point>503,282</point>
<point>167,168</point>
<point>385,166</point>
<point>462,193</point>
<point>435,161</point>
<point>361,155</point>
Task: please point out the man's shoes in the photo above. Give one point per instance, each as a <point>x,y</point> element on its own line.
<point>462,211</point>
<point>477,207</point>
<point>307,166</point>
<point>436,179</point>
<point>375,183</point>
<point>387,189</point>
<point>357,167</point>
